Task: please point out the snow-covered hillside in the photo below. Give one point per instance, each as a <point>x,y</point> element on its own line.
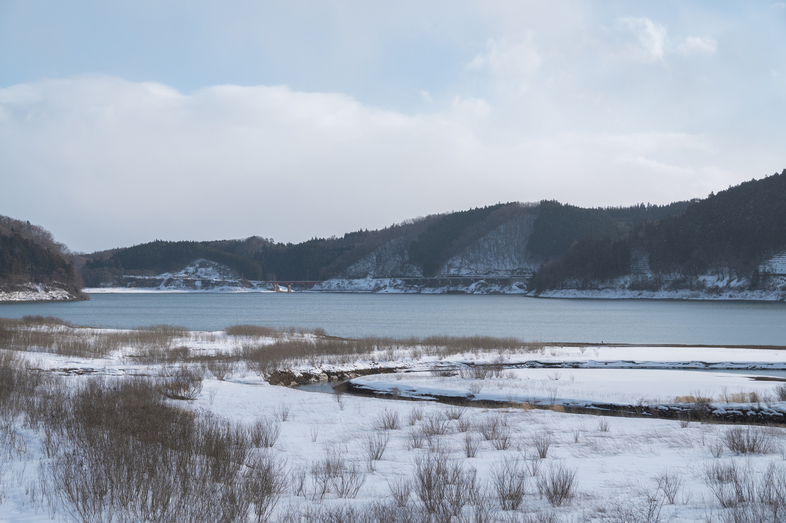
<point>37,292</point>
<point>501,252</point>
<point>421,286</point>
<point>775,265</point>
<point>710,286</point>
<point>488,264</point>
<point>199,276</point>
<point>391,260</point>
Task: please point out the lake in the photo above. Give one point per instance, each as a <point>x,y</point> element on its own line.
<point>399,315</point>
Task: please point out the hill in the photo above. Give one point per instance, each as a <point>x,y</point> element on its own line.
<point>500,244</point>
<point>33,266</point>
<point>727,239</point>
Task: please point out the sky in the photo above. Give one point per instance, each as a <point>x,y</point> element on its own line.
<point>126,122</point>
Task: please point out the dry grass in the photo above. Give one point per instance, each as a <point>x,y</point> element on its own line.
<point>36,333</point>
<point>695,398</point>
<point>262,349</point>
<point>117,451</point>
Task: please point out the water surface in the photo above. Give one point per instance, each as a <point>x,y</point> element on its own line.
<point>399,315</point>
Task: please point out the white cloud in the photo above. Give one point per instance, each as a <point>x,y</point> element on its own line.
<point>106,162</point>
<point>509,61</point>
<point>652,38</point>
<point>698,45</point>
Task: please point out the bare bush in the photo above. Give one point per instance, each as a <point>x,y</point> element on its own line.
<point>443,487</point>
<point>442,372</point>
<point>264,432</point>
<point>780,392</point>
<point>503,441</point>
<point>220,368</point>
<point>491,428</point>
<point>415,439</point>
<point>455,413</point>
<point>603,425</point>
<point>435,425</point>
<point>745,496</point>
<point>542,442</point>
<point>510,482</point>
<point>646,510</point>
<point>728,483</point>
<point>388,420</point>
<point>471,445</point>
<point>558,484</point>
<point>533,467</point>
<point>400,490</point>
<point>476,372</point>
<point>375,445</point>
<point>463,425</point>
<point>475,388</point>
<point>124,454</point>
<point>181,383</point>
<point>670,483</point>
<point>748,440</point>
<point>264,483</point>
<point>415,415</point>
<point>716,448</point>
<point>332,474</point>
<point>283,412</point>
<point>542,517</point>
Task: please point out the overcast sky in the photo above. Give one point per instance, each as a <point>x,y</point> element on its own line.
<point>125,122</point>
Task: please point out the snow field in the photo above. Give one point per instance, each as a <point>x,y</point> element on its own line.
<point>623,386</point>
<point>345,457</point>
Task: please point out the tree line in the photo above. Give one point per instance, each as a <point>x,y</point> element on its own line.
<point>737,229</point>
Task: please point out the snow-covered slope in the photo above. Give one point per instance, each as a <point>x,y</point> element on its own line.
<point>199,276</point>
<point>677,287</point>
<point>391,260</point>
<point>421,286</point>
<point>775,265</point>
<point>488,264</point>
<point>503,251</point>
<point>37,292</point>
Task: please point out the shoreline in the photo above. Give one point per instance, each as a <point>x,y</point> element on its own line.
<point>606,295</point>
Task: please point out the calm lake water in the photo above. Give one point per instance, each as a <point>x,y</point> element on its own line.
<point>400,315</point>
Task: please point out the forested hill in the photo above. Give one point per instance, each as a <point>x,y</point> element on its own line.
<point>502,239</point>
<point>732,232</point>
<point>31,261</point>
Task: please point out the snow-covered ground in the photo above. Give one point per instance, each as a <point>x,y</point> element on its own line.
<point>199,276</point>
<point>36,292</point>
<point>625,468</point>
<point>171,289</point>
<point>571,386</point>
<point>614,293</point>
<point>704,287</point>
<point>399,286</point>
